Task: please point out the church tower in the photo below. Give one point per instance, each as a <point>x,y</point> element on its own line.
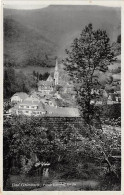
<point>56,73</point>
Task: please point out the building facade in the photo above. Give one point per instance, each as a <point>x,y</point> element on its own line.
<point>28,107</point>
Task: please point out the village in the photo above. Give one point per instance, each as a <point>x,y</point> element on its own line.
<point>46,101</point>
<point>55,97</point>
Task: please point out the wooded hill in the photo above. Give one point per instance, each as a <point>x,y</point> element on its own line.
<point>35,37</point>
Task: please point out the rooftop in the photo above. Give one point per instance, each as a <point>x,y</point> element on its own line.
<point>22,95</point>
<point>46,83</point>
<point>62,111</point>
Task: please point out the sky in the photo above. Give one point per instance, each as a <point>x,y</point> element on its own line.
<point>29,5</point>
<point>24,6</point>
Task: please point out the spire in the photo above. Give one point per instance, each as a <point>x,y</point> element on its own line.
<point>56,73</point>
<point>56,67</point>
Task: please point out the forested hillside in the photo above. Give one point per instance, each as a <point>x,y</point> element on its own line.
<point>35,37</point>
<point>24,46</point>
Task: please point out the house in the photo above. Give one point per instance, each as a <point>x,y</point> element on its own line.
<point>45,87</point>
<point>34,95</point>
<point>19,97</point>
<point>28,107</point>
<point>117,78</point>
<point>113,98</point>
<point>99,102</point>
<point>44,101</point>
<point>92,101</point>
<point>52,102</point>
<point>50,79</point>
<point>32,98</point>
<point>57,95</point>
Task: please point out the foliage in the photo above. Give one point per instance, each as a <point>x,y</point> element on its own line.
<point>17,82</point>
<point>119,39</point>
<point>90,53</point>
<point>24,136</point>
<point>59,141</point>
<point>7,105</point>
<point>116,48</point>
<point>111,112</point>
<point>41,76</point>
<point>116,71</point>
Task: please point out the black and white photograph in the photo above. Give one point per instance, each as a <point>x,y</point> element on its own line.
<point>61,97</point>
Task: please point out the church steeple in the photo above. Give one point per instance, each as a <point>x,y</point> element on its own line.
<point>56,67</point>
<point>56,73</point>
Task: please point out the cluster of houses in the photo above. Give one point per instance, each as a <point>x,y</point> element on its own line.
<point>107,98</point>
<point>33,106</point>
<point>43,101</point>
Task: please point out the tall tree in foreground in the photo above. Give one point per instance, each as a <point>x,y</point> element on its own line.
<point>89,55</point>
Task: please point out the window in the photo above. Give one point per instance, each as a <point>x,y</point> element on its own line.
<point>26,111</point>
<point>27,106</point>
<point>20,112</point>
<point>34,107</point>
<point>34,113</point>
<point>21,106</point>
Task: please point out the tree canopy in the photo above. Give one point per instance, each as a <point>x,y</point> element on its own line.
<point>89,54</point>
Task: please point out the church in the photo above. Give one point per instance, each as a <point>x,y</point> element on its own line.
<point>47,87</point>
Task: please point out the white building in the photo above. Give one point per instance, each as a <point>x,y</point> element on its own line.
<point>19,97</point>
<point>28,107</point>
